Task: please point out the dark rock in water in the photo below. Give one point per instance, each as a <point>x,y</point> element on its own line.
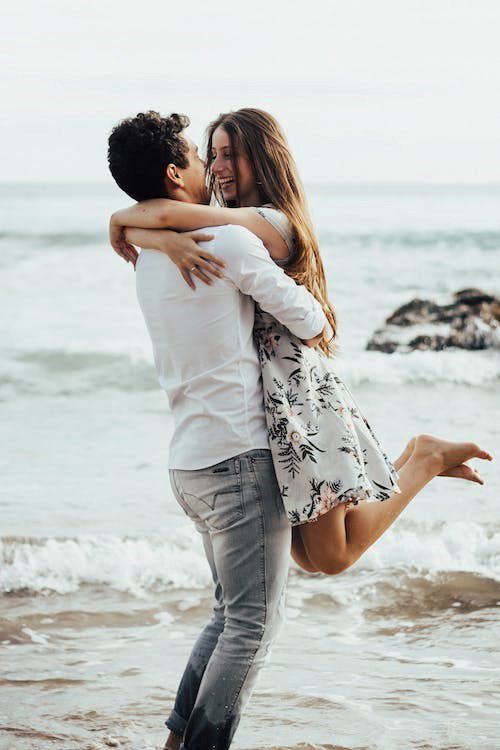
<point>422,342</point>
<point>381,345</point>
<point>471,321</point>
<point>416,311</point>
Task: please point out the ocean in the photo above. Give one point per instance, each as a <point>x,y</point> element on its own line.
<point>103,581</point>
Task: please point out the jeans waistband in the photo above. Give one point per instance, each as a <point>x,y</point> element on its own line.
<point>257,453</point>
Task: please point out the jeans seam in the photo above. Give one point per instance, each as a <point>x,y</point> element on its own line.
<point>263,579</point>
<point>176,486</point>
<point>262,546</point>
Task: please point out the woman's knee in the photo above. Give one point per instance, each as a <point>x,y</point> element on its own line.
<point>299,554</point>
<point>331,563</point>
<point>307,565</point>
<point>302,560</point>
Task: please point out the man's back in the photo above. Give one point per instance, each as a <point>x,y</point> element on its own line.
<point>203,346</point>
<point>206,361</point>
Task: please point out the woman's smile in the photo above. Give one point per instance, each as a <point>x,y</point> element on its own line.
<point>232,170</point>
<point>227,186</point>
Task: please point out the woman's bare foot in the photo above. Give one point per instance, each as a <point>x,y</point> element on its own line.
<point>444,456</point>
<point>464,471</point>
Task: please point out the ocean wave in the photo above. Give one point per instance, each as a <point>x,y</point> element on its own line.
<point>487,240</point>
<point>438,547</point>
<point>454,366</point>
<point>129,564</point>
<point>54,239</point>
<point>59,372</point>
<point>56,372</point>
<point>149,564</point>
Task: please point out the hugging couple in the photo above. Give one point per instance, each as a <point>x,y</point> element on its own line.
<point>270,454</point>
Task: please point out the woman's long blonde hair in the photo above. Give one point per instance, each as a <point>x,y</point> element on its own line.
<point>258,135</point>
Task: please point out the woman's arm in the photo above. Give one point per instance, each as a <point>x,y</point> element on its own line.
<point>163,213</point>
<point>327,331</point>
<point>314,341</point>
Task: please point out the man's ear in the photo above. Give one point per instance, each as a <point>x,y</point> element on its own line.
<point>173,177</point>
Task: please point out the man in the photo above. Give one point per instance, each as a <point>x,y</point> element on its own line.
<point>220,463</point>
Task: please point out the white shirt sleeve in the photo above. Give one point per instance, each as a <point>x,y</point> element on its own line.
<point>253,271</point>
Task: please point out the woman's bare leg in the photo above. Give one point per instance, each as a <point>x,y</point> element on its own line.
<point>299,553</point>
<point>298,550</point>
<point>403,458</point>
<point>338,538</point>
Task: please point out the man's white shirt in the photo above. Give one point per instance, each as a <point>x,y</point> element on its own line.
<point>203,346</point>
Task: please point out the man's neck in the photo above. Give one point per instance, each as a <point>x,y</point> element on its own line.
<point>180,195</point>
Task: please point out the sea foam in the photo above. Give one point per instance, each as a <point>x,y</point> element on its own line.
<point>155,563</point>
<point>426,367</point>
<point>56,372</point>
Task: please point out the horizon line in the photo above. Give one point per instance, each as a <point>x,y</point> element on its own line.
<point>307,183</point>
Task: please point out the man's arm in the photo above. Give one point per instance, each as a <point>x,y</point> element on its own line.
<point>252,270</point>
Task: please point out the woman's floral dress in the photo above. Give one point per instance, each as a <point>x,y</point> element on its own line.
<point>324,451</point>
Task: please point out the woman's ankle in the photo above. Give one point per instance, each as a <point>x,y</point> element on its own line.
<point>427,453</point>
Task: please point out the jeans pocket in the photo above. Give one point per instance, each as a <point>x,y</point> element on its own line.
<point>228,507</point>
<point>213,495</point>
<point>220,505</point>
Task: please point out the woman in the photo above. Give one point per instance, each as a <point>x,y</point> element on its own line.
<point>329,464</point>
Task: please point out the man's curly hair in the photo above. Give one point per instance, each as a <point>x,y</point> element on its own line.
<point>139,149</point>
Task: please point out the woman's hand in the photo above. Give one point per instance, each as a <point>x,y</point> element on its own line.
<point>182,249</point>
<point>189,257</point>
<point>120,245</point>
<point>327,331</point>
<point>312,343</point>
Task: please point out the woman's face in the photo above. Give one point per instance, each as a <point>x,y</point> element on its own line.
<point>222,169</point>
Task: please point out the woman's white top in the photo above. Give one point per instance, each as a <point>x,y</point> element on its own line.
<point>280,222</point>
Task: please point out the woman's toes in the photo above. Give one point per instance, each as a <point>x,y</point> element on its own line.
<point>476,452</point>
<point>463,471</point>
<point>485,455</point>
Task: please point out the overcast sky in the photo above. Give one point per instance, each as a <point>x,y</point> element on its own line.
<point>367,90</point>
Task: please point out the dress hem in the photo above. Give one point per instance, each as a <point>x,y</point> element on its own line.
<point>361,495</point>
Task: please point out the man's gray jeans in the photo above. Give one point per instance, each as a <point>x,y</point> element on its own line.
<point>236,506</point>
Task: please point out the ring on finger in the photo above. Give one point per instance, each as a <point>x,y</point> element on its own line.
<point>193,268</point>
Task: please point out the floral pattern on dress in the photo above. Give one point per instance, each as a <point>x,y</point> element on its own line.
<point>324,451</point>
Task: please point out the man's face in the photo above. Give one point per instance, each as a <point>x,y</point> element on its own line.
<point>194,175</point>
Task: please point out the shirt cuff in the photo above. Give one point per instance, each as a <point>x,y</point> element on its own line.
<point>311,325</point>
